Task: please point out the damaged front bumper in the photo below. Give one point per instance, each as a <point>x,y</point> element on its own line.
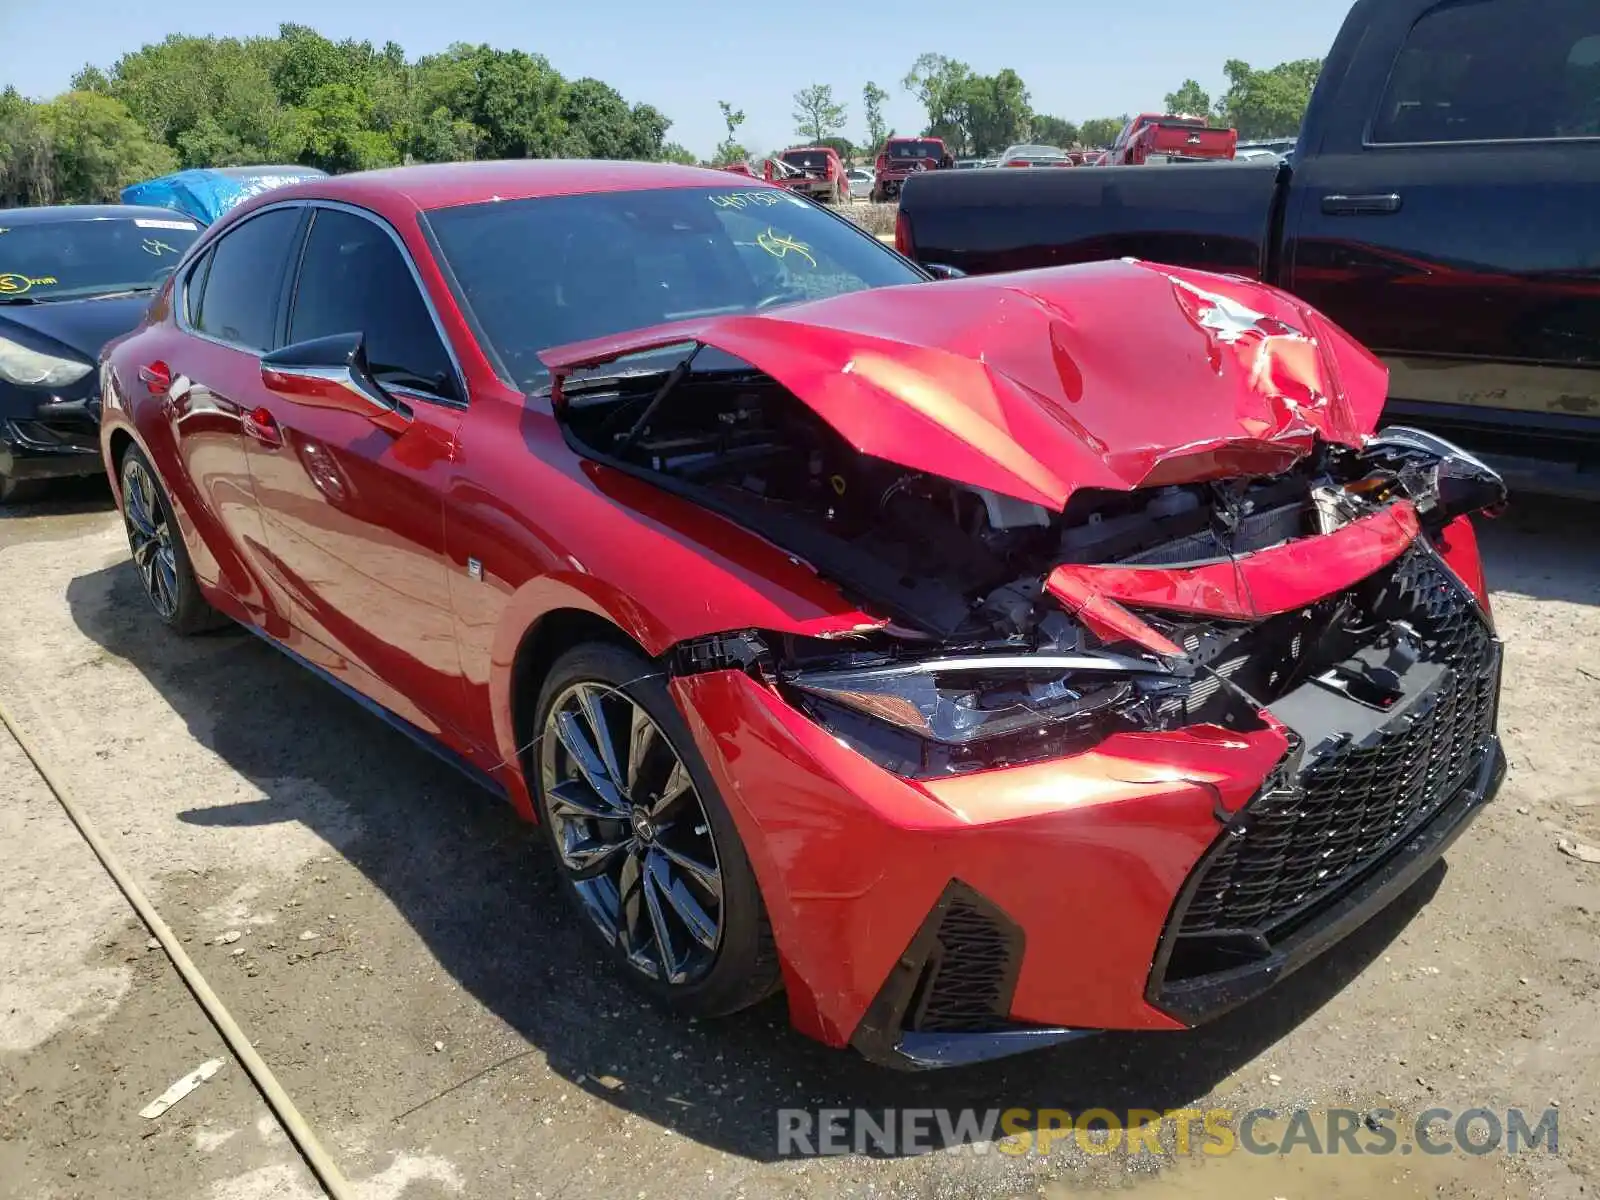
<point>1153,881</point>
<point>44,435</point>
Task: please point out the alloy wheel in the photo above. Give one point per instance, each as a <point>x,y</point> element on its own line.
<point>632,833</point>
<point>150,538</point>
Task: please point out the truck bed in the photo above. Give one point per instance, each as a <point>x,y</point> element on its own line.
<point>1216,216</point>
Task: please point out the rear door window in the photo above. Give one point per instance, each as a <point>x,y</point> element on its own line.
<point>1496,70</point>
<point>239,303</point>
<point>245,279</point>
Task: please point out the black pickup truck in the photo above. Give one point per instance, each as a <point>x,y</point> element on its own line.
<point>1442,204</point>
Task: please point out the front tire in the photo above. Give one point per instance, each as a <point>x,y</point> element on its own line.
<point>646,848</point>
<point>158,551</point>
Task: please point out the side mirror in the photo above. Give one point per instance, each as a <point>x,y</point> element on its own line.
<point>332,372</point>
<point>940,271</point>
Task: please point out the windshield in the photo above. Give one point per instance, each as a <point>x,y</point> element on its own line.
<point>540,273</point>
<point>811,160</point>
<point>931,150</point>
<point>61,260</point>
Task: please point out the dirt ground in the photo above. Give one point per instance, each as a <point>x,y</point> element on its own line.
<point>446,1031</point>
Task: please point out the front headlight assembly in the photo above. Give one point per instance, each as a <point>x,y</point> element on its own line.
<point>945,716</point>
<point>1442,479</point>
<point>34,368</point>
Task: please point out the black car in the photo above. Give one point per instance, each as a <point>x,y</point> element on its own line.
<point>72,279</point>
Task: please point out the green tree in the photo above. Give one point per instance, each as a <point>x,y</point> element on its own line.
<point>1054,131</point>
<point>939,84</point>
<point>335,127</point>
<point>441,136</point>
<point>601,124</point>
<point>210,99</point>
<point>872,98</point>
<point>27,160</point>
<point>673,152</point>
<point>729,150</point>
<point>816,114</point>
<point>842,146</point>
<point>347,105</point>
<point>1100,132</point>
<point>98,148</point>
<point>513,98</point>
<point>1189,100</point>
<point>994,112</point>
<point>1268,103</point>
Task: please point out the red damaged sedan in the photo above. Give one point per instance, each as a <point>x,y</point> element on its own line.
<point>981,661</point>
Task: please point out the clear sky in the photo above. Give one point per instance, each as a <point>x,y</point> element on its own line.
<point>1078,60</point>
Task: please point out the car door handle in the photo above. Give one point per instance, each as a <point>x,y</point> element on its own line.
<point>261,426</point>
<point>1361,206</point>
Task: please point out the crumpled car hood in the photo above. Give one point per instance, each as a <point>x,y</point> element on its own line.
<point>1034,384</point>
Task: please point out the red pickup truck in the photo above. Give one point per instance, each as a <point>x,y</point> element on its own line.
<point>1167,136</point>
<point>904,157</point>
<point>814,171</point>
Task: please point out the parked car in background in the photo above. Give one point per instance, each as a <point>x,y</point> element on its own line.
<point>846,628</point>
<point>860,183</point>
<point>1035,156</point>
<point>206,193</point>
<point>815,171</point>
<point>1169,138</point>
<point>901,158</point>
<point>1443,205</point>
<point>72,278</point>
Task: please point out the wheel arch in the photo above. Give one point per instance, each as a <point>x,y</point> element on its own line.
<point>118,442</point>
<point>516,689</point>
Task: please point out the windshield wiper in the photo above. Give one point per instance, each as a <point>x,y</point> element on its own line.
<point>19,300</point>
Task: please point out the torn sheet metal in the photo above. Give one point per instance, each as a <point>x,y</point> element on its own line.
<point>1033,384</point>
<point>1247,587</point>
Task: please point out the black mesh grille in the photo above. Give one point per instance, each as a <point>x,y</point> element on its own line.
<point>967,982</point>
<point>1303,837</point>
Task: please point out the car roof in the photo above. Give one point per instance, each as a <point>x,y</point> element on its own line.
<point>54,214</point>
<point>446,185</point>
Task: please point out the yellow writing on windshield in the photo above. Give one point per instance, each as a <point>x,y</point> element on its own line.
<point>12,284</point>
<point>747,199</point>
<point>781,245</point>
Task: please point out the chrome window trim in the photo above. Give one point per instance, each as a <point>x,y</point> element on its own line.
<point>181,313</point>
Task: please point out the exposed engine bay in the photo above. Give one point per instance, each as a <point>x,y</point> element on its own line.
<point>978,665</point>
